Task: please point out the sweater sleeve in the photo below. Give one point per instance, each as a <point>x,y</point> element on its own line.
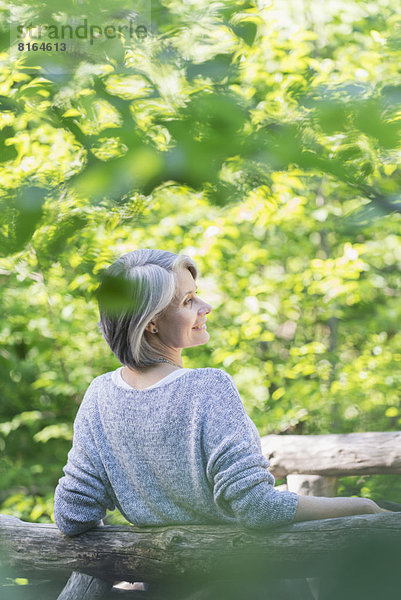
<point>81,499</point>
<point>238,472</point>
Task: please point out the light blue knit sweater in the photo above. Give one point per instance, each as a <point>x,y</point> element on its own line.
<point>184,452</point>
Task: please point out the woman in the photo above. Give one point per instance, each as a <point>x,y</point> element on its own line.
<point>162,443</point>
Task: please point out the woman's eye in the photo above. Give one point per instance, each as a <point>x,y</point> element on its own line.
<point>188,300</point>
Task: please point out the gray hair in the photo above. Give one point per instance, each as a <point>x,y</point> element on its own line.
<point>135,289</point>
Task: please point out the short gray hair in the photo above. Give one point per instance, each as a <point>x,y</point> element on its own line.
<point>135,289</point>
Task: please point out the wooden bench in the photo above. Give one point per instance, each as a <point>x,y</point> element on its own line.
<point>178,561</point>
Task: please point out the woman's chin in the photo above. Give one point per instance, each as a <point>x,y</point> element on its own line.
<point>206,336</point>
<point>201,338</point>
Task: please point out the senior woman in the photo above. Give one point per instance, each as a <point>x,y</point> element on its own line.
<point>166,444</point>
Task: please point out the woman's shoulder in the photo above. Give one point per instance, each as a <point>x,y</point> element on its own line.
<point>216,377</point>
<point>99,381</point>
<point>213,372</point>
<point>95,387</point>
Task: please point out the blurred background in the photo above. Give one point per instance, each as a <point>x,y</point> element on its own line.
<point>260,138</point>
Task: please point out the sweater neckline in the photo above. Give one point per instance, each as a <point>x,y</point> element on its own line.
<point>118,380</point>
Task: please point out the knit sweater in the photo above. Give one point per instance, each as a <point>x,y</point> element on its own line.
<point>182,452</point>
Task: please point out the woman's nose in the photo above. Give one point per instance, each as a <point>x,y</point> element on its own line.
<point>206,308</point>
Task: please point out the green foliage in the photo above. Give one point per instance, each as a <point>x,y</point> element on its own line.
<point>261,140</point>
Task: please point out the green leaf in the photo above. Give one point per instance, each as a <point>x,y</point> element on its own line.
<point>246,30</point>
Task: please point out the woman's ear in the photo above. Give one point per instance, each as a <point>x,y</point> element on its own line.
<point>151,327</point>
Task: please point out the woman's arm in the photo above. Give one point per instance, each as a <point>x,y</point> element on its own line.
<point>238,473</point>
<point>236,469</point>
<point>313,507</point>
<point>81,498</point>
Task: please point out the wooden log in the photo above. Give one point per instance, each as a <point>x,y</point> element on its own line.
<point>335,455</point>
<point>84,587</point>
<point>197,552</point>
<point>312,485</point>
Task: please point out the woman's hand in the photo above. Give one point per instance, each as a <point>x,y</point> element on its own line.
<point>313,507</point>
<point>372,507</point>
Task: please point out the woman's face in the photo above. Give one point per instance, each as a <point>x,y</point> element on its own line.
<point>183,325</point>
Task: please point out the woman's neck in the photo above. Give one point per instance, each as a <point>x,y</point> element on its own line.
<point>147,377</point>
